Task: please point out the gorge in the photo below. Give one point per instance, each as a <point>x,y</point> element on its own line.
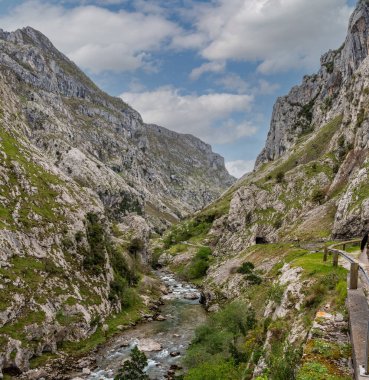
<point>99,210</point>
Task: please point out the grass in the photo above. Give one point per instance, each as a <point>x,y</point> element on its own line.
<point>314,265</point>
<point>312,149</point>
<point>41,201</point>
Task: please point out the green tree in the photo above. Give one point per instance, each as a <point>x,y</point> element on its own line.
<point>133,369</point>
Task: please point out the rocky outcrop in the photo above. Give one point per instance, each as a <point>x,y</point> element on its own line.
<point>320,96</point>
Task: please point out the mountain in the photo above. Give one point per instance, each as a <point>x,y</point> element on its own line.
<point>83,184</point>
<point>309,186</point>
<point>101,142</point>
<point>310,180</point>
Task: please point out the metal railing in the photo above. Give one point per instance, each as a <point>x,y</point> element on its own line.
<point>355,266</point>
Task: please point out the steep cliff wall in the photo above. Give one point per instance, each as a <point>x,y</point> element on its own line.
<point>310,180</point>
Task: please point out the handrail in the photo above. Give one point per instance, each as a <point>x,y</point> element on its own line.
<point>344,254</point>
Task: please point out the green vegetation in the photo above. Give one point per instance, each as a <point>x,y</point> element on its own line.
<point>318,196</point>
<point>329,66</point>
<point>312,149</point>
<point>129,315</point>
<point>94,260</point>
<point>217,348</point>
<point>133,369</point>
<point>198,266</point>
<point>197,227</point>
<point>247,268</point>
<point>279,177</point>
<point>41,201</point>
<point>320,356</point>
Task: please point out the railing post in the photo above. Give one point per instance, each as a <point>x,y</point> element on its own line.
<point>325,256</point>
<point>354,275</point>
<point>335,259</point>
<point>366,365</point>
<point>343,247</point>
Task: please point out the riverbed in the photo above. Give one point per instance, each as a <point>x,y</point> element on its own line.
<point>169,338</point>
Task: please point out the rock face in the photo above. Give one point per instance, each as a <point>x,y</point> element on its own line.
<point>83,183</point>
<point>101,142</point>
<point>310,180</point>
<point>320,96</point>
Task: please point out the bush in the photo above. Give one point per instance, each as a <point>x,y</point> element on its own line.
<point>95,259</point>
<point>216,340</point>
<point>254,279</point>
<point>133,369</point>
<point>120,266</point>
<point>135,246</point>
<point>246,267</point>
<point>279,177</point>
<point>275,293</point>
<point>199,264</point>
<point>318,196</point>
<point>283,362</point>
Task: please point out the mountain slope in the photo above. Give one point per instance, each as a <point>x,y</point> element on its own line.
<point>102,142</point>
<point>83,184</point>
<point>310,180</point>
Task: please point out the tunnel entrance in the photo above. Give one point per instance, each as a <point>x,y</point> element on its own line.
<point>261,240</point>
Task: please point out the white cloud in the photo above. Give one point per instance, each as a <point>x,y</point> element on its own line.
<point>240,167</point>
<point>234,82</point>
<point>94,37</point>
<point>266,88</point>
<point>282,34</point>
<point>205,116</point>
<point>209,67</point>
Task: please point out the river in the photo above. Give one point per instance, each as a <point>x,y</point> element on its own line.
<point>173,334</point>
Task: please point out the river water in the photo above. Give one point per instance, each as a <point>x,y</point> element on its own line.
<point>173,334</point>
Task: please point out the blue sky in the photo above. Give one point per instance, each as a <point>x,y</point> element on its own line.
<point>212,68</point>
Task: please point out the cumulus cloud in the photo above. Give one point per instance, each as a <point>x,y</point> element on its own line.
<point>209,67</point>
<point>240,167</point>
<point>205,116</point>
<point>94,37</point>
<point>281,34</point>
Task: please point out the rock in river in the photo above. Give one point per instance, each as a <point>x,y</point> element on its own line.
<point>148,345</point>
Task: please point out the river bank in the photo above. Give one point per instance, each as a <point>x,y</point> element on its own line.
<point>164,334</point>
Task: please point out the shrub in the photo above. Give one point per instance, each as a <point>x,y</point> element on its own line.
<point>279,177</point>
<point>253,279</point>
<point>120,266</point>
<point>199,264</point>
<point>133,369</point>
<point>135,246</point>
<point>318,196</point>
<point>246,267</point>
<point>216,340</point>
<point>283,362</point>
<point>95,259</point>
<point>275,293</point>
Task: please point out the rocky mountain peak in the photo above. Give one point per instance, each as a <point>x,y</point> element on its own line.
<point>356,46</point>
<point>310,104</point>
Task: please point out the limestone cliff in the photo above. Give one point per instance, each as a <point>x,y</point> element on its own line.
<point>101,142</point>
<point>310,180</point>
<point>83,184</point>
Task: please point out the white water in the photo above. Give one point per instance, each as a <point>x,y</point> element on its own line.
<point>174,334</point>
